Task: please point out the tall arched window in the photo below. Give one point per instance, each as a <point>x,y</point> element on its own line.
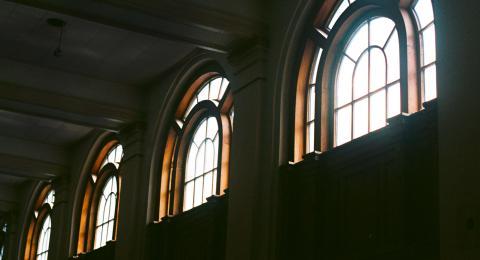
<point>195,164</point>
<point>100,205</point>
<point>364,62</point>
<point>38,236</point>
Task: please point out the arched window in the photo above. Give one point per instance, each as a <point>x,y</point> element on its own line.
<point>195,164</point>
<point>38,236</point>
<point>364,62</point>
<point>100,205</point>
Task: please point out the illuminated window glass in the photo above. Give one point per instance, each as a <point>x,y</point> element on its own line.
<point>106,213</point>
<point>310,118</point>
<point>44,239</point>
<point>367,88</point>
<point>114,156</point>
<point>341,7</point>
<point>426,29</point>
<point>213,90</point>
<point>50,199</point>
<point>202,160</point>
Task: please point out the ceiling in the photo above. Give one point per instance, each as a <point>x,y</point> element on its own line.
<point>112,50</point>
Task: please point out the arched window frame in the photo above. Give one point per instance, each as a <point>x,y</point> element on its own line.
<point>329,42</point>
<point>101,172</point>
<point>180,135</point>
<point>42,211</point>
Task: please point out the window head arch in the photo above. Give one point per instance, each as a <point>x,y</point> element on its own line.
<point>195,163</point>
<point>98,223</point>
<point>387,45</point>
<point>367,86</point>
<point>106,212</point>
<point>38,235</point>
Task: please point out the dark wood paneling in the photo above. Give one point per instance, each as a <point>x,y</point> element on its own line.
<point>373,198</point>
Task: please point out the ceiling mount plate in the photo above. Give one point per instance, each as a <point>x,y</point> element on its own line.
<point>55,22</point>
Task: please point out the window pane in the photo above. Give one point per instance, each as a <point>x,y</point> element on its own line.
<point>311,104</point>
<point>207,186</point>
<point>203,94</point>
<point>200,133</point>
<point>225,83</point>
<point>212,127</point>
<point>343,6</point>
<point>378,70</point>
<point>394,101</point>
<point>430,81</point>
<point>424,11</point>
<point>428,40</point>
<point>344,82</point>
<point>209,156</point>
<point>358,43</point>
<point>200,160</point>
<point>343,120</point>
<point>360,118</point>
<point>215,88</point>
<point>360,81</point>
<point>310,137</point>
<point>110,231</point>
<point>377,110</point>
<point>188,196</point>
<point>198,191</point>
<point>392,51</point>
<point>380,29</point>
<point>316,62</point>
<point>191,159</point>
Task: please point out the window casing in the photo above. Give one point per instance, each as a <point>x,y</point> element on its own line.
<point>38,235</point>
<point>100,205</point>
<point>195,164</point>
<point>337,107</point>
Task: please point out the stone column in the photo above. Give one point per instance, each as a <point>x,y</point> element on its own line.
<point>249,210</point>
<point>133,196</point>
<point>60,222</point>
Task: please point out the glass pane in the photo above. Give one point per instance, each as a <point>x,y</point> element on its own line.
<point>215,88</point>
<point>394,101</point>
<point>200,133</point>
<point>215,173</point>
<point>191,159</point>
<point>360,118</point>
<point>107,210</point>
<point>360,81</point>
<point>392,51</point>
<point>316,62</point>
<point>377,110</point>
<point>200,160</point>
<point>225,83</point>
<point>430,82</point>
<point>209,156</point>
<point>343,118</point>
<point>188,196</point>
<point>98,235</point>
<point>310,137</point>
<point>110,231</point>
<point>101,210</point>
<point>378,69</point>
<point>112,207</point>
<point>358,43</point>
<point>429,49</point>
<point>198,191</point>
<point>207,186</point>
<point>341,8</point>
<point>380,29</point>
<point>424,11</point>
<point>212,127</point>
<point>311,104</point>
<point>343,91</point>
<point>203,94</point>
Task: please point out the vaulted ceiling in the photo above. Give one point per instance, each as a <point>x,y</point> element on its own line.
<point>112,50</point>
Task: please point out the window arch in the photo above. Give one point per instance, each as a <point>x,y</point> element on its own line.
<point>100,205</point>
<point>195,163</point>
<point>38,236</point>
<point>363,62</point>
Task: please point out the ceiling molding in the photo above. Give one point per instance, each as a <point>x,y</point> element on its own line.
<point>73,110</point>
<point>17,166</point>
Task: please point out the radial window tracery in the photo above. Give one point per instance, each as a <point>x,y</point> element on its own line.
<point>213,90</point>
<point>202,160</point>
<point>114,156</point>
<point>106,213</point>
<point>44,240</point>
<point>367,88</point>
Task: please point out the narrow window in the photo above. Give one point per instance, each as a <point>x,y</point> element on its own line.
<point>367,88</point>
<point>107,207</point>
<point>44,239</point>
